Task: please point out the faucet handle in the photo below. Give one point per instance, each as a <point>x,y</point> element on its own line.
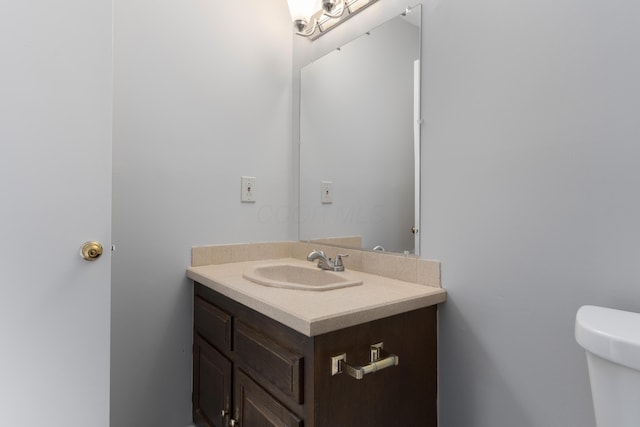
<point>338,261</point>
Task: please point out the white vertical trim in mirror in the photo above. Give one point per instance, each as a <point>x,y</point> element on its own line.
<point>417,124</point>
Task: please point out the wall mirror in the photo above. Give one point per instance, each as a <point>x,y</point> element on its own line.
<point>360,140</point>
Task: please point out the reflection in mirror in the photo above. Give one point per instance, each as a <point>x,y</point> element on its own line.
<point>359,141</point>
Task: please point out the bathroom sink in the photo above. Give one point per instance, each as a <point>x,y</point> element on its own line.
<point>291,276</point>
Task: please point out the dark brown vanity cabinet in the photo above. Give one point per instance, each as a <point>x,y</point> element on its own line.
<point>251,371</point>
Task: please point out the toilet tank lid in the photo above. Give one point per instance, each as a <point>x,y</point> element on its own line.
<point>611,334</point>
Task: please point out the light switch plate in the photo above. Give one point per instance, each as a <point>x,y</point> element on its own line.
<point>326,192</point>
<point>248,189</point>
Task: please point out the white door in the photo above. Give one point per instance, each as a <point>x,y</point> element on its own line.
<point>55,194</point>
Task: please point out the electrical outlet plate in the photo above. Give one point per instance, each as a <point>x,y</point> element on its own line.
<point>248,189</point>
<point>326,192</point>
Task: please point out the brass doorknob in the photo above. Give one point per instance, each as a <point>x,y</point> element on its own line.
<point>91,251</point>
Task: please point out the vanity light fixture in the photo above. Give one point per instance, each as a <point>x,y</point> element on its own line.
<point>313,18</point>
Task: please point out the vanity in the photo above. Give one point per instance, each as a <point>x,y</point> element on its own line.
<point>363,354</point>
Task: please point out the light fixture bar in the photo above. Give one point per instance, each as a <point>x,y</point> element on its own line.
<point>356,5</point>
<point>330,14</point>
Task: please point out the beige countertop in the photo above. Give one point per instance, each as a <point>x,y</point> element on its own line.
<point>317,312</point>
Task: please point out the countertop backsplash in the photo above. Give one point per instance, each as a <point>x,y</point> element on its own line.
<point>395,266</point>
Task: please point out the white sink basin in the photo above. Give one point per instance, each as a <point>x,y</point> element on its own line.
<point>291,276</point>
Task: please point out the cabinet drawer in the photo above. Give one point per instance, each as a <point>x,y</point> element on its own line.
<point>213,324</point>
<point>267,359</point>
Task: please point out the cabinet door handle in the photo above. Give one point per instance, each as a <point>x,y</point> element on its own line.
<point>339,363</point>
<point>233,423</point>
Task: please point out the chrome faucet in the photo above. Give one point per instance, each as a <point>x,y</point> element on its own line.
<point>325,263</point>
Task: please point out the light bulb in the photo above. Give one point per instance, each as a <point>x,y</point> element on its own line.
<point>303,9</point>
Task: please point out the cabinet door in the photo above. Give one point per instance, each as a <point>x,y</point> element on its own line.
<point>254,407</point>
<point>211,385</point>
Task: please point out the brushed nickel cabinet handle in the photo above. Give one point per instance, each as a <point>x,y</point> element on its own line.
<point>339,363</point>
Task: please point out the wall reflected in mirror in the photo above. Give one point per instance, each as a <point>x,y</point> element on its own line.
<point>358,132</point>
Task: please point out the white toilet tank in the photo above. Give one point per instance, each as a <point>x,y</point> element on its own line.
<point>612,341</point>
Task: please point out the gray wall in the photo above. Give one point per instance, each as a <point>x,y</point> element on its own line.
<point>202,96</point>
<point>530,178</point>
